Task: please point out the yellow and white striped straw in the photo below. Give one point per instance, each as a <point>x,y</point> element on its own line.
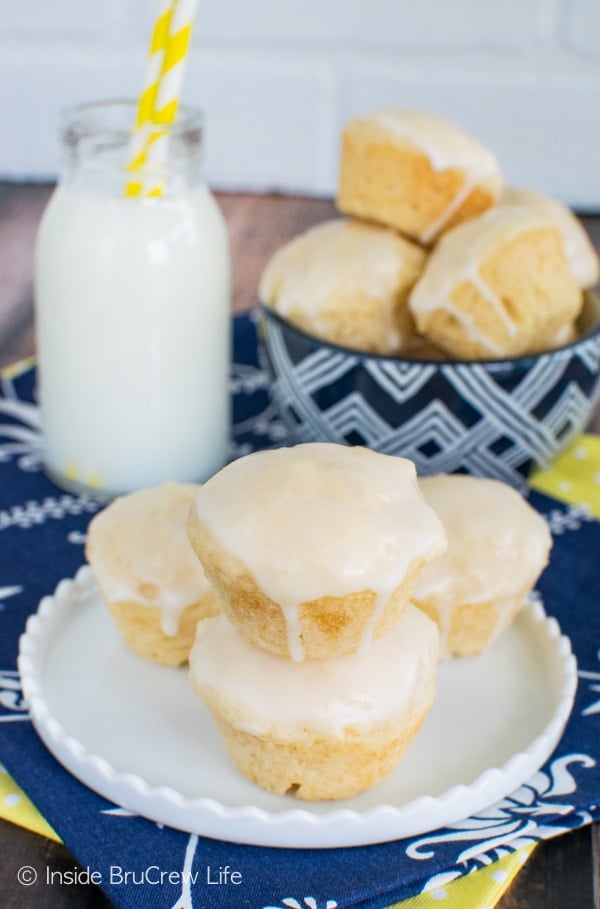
<point>171,77</point>
<point>154,65</point>
<point>147,100</point>
<point>159,101</point>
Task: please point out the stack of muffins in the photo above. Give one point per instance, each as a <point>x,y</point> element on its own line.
<point>320,672</point>
<point>311,589</point>
<point>435,258</point>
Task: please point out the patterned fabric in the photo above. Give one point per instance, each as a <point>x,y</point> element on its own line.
<point>42,531</point>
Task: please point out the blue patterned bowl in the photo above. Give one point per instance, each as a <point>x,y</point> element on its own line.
<point>496,418</point>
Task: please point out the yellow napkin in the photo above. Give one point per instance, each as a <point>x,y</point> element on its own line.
<point>481,889</point>
<point>575,478</point>
<point>575,475</point>
<point>16,807</point>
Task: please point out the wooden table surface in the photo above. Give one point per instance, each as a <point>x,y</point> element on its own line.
<point>563,873</point>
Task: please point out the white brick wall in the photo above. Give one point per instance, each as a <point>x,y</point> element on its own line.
<point>277,79</point>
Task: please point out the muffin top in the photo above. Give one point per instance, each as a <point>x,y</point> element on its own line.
<point>445,145</point>
<point>321,519</point>
<point>497,543</point>
<point>329,695</point>
<point>139,551</point>
<point>579,251</point>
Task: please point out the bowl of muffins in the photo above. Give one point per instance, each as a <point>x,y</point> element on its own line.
<point>442,317</point>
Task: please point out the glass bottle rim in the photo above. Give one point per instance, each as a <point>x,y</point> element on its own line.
<point>117,117</point>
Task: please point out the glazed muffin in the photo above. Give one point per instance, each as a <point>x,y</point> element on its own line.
<point>346,282</point>
<point>498,546</point>
<point>147,572</point>
<point>414,172</point>
<point>578,249</point>
<point>494,286</point>
<point>313,550</point>
<point>320,729</point>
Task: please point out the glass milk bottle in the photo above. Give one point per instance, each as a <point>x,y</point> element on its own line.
<point>132,296</point>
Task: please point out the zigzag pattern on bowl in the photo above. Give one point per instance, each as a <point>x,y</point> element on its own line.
<point>443,416</point>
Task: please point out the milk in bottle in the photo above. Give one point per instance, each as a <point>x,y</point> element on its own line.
<point>132,313</point>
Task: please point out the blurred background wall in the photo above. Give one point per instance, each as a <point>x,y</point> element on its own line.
<point>278,78</point>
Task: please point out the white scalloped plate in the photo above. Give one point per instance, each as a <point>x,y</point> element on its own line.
<point>135,733</point>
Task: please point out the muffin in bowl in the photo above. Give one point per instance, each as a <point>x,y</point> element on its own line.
<point>348,282</point>
<point>498,286</point>
<point>415,172</point>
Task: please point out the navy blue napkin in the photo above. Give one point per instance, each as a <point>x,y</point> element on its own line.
<point>42,530</point>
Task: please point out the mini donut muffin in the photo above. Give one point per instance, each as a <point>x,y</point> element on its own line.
<point>321,729</point>
<point>147,573</point>
<point>494,286</point>
<point>498,546</point>
<point>580,253</point>
<point>312,550</point>
<point>347,282</point>
<point>414,172</point>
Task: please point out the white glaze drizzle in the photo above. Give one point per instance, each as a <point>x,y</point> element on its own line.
<point>321,520</point>
<point>381,599</point>
<point>493,299</point>
<point>263,693</point>
<point>439,223</point>
<point>293,631</point>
